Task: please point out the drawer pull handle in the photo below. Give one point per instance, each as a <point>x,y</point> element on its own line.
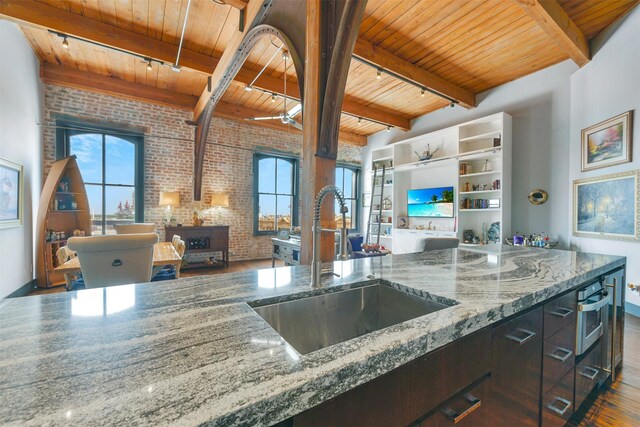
<point>594,372</point>
<point>561,312</point>
<point>563,358</point>
<point>561,412</point>
<point>457,417</point>
<point>528,335</point>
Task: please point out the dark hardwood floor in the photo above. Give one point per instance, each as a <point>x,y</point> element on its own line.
<point>619,406</point>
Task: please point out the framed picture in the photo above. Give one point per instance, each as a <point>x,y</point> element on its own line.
<point>607,143</point>
<point>11,194</point>
<point>403,222</point>
<point>283,234</point>
<point>608,206</point>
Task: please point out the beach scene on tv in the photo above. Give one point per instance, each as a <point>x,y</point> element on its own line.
<point>430,202</point>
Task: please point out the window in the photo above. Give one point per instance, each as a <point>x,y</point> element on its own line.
<point>347,181</point>
<point>111,164</point>
<point>275,193</point>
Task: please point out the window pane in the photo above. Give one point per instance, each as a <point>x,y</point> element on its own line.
<point>87,148</point>
<point>285,211</point>
<point>266,212</point>
<point>267,175</point>
<point>119,207</point>
<point>94,194</point>
<point>349,182</point>
<point>285,177</point>
<point>120,161</point>
<point>339,177</point>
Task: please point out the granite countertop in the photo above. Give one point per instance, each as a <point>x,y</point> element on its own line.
<point>192,351</point>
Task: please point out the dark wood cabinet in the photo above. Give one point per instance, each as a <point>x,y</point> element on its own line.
<point>203,239</point>
<point>408,394</point>
<point>516,371</point>
<point>467,409</point>
<point>588,374</point>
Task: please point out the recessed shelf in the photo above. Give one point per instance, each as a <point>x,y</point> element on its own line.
<point>486,135</point>
<point>479,191</point>
<point>493,172</point>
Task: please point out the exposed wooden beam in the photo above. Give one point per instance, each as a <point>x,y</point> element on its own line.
<point>238,4</point>
<point>240,113</point>
<point>388,61</point>
<point>252,10</point>
<point>71,77</point>
<point>276,86</point>
<point>554,21</point>
<point>42,15</point>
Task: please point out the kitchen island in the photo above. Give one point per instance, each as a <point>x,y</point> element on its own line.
<point>193,351</point>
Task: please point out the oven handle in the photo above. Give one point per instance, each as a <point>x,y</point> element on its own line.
<point>596,305</point>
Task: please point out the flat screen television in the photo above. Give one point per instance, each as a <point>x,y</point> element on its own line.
<point>430,202</point>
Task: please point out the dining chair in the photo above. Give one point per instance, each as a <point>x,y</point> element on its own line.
<point>435,243</point>
<point>171,272</point>
<point>115,259</point>
<point>136,227</point>
<point>73,281</point>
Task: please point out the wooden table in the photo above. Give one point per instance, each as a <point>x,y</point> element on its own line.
<point>163,254</point>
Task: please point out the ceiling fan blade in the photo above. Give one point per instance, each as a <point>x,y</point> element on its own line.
<point>294,111</point>
<point>295,124</point>
<point>264,118</point>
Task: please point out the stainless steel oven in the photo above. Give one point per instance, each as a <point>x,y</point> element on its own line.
<point>593,309</point>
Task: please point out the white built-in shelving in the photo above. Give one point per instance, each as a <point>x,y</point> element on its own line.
<point>482,148</point>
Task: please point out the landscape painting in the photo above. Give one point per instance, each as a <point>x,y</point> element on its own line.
<point>10,194</point>
<point>607,207</point>
<point>431,202</point>
<point>607,143</point>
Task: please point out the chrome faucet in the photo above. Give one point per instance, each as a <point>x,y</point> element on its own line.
<point>316,263</point>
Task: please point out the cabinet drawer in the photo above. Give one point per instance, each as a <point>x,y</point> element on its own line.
<point>558,357</point>
<point>467,409</point>
<point>286,249</point>
<point>588,374</point>
<point>516,371</point>
<point>557,405</point>
<point>559,313</point>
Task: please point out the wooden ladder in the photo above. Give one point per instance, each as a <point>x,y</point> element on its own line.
<point>376,224</point>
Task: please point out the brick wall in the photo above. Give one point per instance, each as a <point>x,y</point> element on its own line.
<point>169,157</point>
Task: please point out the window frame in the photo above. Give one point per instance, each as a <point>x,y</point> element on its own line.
<point>357,170</point>
<point>66,129</point>
<point>295,184</point>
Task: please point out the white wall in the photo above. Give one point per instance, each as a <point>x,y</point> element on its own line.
<point>606,87</point>
<point>539,104</point>
<point>21,96</point>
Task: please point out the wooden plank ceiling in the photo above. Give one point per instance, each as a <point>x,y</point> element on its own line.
<point>457,47</point>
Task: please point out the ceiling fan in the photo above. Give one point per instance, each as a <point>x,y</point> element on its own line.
<point>286,117</point>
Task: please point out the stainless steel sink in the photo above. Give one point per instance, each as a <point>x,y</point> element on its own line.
<point>310,324</point>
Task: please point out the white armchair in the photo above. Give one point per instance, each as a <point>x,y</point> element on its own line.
<point>115,259</point>
<point>137,227</point>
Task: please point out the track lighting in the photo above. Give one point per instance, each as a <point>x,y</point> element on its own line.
<point>388,128</point>
<point>273,97</point>
<point>422,91</point>
<point>149,67</point>
<point>65,43</point>
<point>379,74</point>
<point>453,104</point>
<point>359,121</point>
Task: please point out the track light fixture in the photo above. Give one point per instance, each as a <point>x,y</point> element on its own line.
<point>273,97</point>
<point>422,91</point>
<point>65,43</point>
<point>453,104</point>
<point>389,128</point>
<point>379,74</point>
<point>359,121</point>
<point>149,66</point>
